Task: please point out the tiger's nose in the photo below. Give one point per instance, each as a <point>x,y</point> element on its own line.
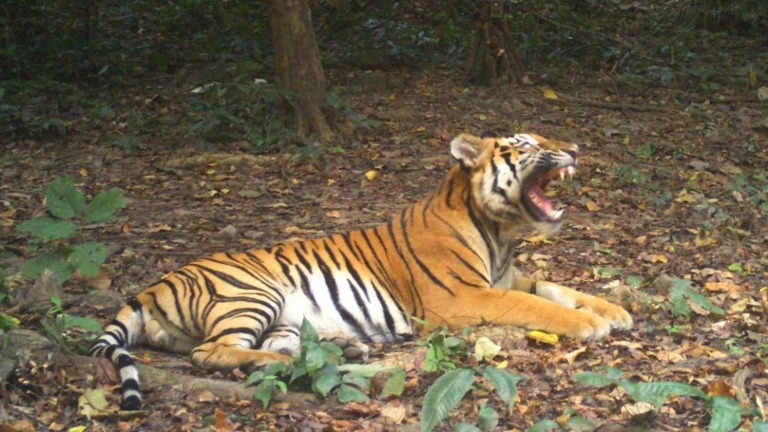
<point>572,150</point>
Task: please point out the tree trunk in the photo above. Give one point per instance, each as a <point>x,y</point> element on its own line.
<point>298,69</point>
<point>493,56</point>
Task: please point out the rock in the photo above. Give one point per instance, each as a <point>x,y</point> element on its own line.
<point>228,232</point>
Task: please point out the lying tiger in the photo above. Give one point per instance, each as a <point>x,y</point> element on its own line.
<point>446,260</point>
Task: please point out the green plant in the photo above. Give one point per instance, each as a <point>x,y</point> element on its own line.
<point>6,321</point>
<point>320,366</point>
<point>725,412</point>
<point>448,390</point>
<point>444,350</point>
<point>240,111</point>
<point>59,325</point>
<point>56,251</point>
<point>681,293</point>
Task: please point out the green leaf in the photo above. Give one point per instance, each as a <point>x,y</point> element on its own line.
<point>348,393</point>
<point>254,377</point>
<point>314,359</point>
<point>579,424</point>
<point>705,302</point>
<point>104,206</point>
<point>356,380</point>
<point>325,382</point>
<point>57,262</point>
<point>544,426</point>
<point>488,418</point>
<point>307,334</point>
<point>759,425</point>
<point>634,281</point>
<point>444,395</point>
<point>88,257</point>
<point>266,389</point>
<point>659,392</point>
<point>395,384</point>
<point>63,199</point>
<point>594,379</point>
<point>505,384</point>
<point>67,322</point>
<point>726,414</point>
<point>8,321</point>
<point>366,370</point>
<point>48,229</point>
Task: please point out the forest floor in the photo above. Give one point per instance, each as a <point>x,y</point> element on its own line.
<point>672,185</point>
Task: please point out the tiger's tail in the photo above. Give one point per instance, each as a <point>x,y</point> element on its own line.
<point>120,334</point>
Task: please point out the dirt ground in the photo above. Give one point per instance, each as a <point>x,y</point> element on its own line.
<point>671,183</point>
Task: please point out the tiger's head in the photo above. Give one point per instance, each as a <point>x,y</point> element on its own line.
<point>509,176</point>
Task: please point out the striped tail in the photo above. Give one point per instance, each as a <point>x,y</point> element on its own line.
<point>119,335</point>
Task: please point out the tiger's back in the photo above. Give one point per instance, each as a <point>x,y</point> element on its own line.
<point>443,260</point>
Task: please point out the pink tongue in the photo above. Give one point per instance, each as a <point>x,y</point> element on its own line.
<point>541,201</point>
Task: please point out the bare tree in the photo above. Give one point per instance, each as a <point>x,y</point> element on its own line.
<point>297,66</point>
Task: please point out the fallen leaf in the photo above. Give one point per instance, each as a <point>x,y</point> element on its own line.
<point>485,349</point>
<point>394,410</point>
<point>333,214</point>
<point>573,355</point>
<point>592,206</point>
<point>720,387</point>
<point>549,93</point>
<point>371,175</point>
<point>725,286</point>
<point>659,258</point>
<point>543,337</point>
<point>221,423</point>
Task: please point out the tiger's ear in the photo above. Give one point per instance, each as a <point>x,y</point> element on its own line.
<point>467,149</point>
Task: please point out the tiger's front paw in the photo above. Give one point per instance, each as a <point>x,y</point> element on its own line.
<point>617,316</point>
<point>584,325</point>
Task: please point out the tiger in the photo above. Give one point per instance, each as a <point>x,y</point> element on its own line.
<point>445,261</point>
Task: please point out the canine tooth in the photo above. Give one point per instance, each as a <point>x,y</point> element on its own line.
<point>570,170</point>
<point>558,213</point>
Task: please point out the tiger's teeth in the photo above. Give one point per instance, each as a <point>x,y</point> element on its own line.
<point>558,214</point>
<point>562,175</point>
<point>570,170</point>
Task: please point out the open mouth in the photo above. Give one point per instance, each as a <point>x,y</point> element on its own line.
<point>535,199</point>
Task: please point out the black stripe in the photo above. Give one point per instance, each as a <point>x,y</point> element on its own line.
<point>333,289</point>
<point>231,331</point>
<point>124,360</point>
<point>415,294</point>
<point>421,264</point>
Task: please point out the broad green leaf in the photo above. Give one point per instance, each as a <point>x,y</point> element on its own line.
<point>634,281</point>
<point>348,393</point>
<point>314,359</point>
<point>254,377</point>
<point>104,206</point>
<point>63,199</point>
<point>324,382</point>
<point>726,414</point>
<point>759,425</point>
<point>659,392</point>
<point>8,321</point>
<point>366,370</point>
<point>544,426</point>
<point>266,389</point>
<point>57,262</point>
<point>505,384</point>
<point>579,424</point>
<point>357,380</point>
<point>488,418</point>
<point>48,229</point>
<point>444,395</point>
<point>308,333</point>
<point>705,302</point>
<point>465,427</point>
<point>594,379</point>
<point>88,257</point>
<point>86,323</point>
<point>395,384</point>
